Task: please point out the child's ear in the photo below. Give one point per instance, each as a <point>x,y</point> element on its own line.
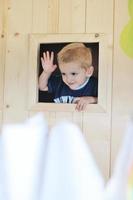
<point>90,71</point>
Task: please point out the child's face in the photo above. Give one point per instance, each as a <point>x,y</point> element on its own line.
<point>73,75</point>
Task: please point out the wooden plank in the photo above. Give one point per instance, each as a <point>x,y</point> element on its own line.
<point>40,16</point>
<point>1,124</point>
<point>19,23</point>
<point>47,115</point>
<point>63,116</point>
<point>78,119</point>
<point>45,16</point>
<point>44,114</point>
<point>2,53</point>
<point>53,16</point>
<point>51,119</point>
<point>122,107</point>
<point>99,16</point>
<point>2,62</point>
<point>19,16</point>
<point>97,131</point>
<point>72,16</point>
<point>1,16</point>
<point>16,78</point>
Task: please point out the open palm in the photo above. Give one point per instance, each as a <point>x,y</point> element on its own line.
<point>47,62</point>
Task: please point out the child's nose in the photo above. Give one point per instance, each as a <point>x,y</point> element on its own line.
<point>69,79</point>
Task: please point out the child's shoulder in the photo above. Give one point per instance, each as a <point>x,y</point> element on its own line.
<point>93,79</point>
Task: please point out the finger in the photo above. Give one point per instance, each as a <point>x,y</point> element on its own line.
<point>52,56</point>
<point>42,61</point>
<point>44,56</point>
<point>78,106</point>
<point>47,55</point>
<point>84,106</point>
<point>76,100</point>
<point>81,106</point>
<point>55,66</point>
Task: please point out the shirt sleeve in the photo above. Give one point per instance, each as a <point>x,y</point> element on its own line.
<point>53,83</point>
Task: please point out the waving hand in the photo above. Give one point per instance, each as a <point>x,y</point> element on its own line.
<point>47,62</point>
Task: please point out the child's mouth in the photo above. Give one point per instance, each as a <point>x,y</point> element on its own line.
<point>70,84</point>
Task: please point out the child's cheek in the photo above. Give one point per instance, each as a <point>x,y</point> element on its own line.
<point>64,80</point>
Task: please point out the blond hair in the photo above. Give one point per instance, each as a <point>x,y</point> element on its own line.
<point>75,52</point>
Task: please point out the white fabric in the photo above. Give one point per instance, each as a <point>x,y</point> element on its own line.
<point>70,171</point>
<point>23,147</point>
<point>36,164</point>
<point>117,187</point>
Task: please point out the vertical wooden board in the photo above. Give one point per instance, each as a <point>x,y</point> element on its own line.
<point>99,16</point>
<point>45,16</point>
<point>78,119</point>
<point>1,16</point>
<point>72,16</point>
<point>123,66</point>
<point>78,16</point>
<point>16,78</point>
<point>14,116</point>
<point>2,49</point>
<point>40,16</point>
<point>2,55</point>
<point>1,70</point>
<point>63,116</point>
<point>0,120</point>
<point>16,71</point>
<point>19,16</point>
<point>122,107</point>
<point>19,23</point>
<point>53,16</point>
<point>119,130</point>
<point>101,153</point>
<point>65,16</point>
<point>96,128</point>
<point>35,113</point>
<point>51,119</point>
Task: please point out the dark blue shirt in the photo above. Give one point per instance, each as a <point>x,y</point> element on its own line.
<point>63,94</point>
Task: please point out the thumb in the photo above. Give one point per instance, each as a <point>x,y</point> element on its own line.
<point>55,66</point>
<point>76,100</point>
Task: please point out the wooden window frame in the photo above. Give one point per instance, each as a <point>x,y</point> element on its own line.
<point>104,73</point>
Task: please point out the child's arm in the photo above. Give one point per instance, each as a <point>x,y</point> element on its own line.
<point>48,68</point>
<point>81,102</point>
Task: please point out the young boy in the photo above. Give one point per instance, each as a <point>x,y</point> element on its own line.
<point>76,83</point>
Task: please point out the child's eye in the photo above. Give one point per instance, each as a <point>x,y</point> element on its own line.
<point>63,74</point>
<point>74,73</point>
